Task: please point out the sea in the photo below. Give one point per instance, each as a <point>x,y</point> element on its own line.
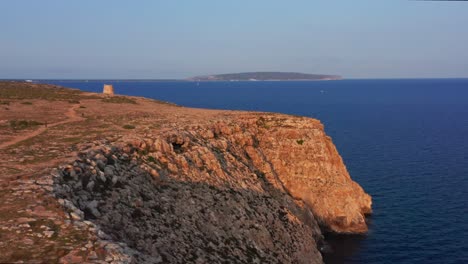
<point>405,141</point>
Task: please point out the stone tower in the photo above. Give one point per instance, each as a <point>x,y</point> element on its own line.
<point>108,89</point>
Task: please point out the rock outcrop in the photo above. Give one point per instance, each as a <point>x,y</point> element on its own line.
<point>255,188</point>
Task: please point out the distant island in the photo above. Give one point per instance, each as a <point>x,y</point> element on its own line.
<point>265,76</point>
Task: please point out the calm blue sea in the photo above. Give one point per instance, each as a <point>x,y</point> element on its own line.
<point>404,141</point>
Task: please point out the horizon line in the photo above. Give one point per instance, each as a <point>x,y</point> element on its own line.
<point>189,80</point>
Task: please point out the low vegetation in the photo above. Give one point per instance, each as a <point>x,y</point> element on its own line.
<point>262,122</point>
<point>152,159</point>
<point>27,91</point>
<point>23,124</point>
<point>300,141</point>
<point>119,100</point>
<point>129,126</point>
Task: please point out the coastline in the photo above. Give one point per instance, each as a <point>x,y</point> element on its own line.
<point>238,141</point>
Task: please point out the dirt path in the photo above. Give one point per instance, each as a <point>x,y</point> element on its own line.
<point>71,115</point>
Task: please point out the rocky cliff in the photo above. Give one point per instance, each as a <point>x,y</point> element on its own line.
<point>251,188</point>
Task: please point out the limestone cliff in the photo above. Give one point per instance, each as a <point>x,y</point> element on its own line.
<point>255,187</point>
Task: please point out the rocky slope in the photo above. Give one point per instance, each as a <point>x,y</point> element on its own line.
<point>252,188</point>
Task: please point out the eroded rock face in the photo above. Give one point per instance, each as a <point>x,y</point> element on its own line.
<point>255,188</point>
<point>306,161</point>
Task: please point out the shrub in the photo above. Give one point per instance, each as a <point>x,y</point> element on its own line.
<point>152,159</point>
<point>23,124</point>
<point>73,101</point>
<point>262,122</point>
<point>129,126</point>
<point>26,103</point>
<point>118,100</point>
<point>300,141</point>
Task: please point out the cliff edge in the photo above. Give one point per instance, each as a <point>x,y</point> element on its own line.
<point>153,182</point>
<point>251,188</point>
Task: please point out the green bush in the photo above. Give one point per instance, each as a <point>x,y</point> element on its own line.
<point>119,100</point>
<point>26,103</point>
<point>129,126</point>
<point>300,141</point>
<point>262,122</point>
<point>23,124</point>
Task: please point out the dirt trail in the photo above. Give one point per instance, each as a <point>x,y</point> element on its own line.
<point>71,115</point>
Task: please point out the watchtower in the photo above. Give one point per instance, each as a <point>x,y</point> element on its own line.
<point>108,89</point>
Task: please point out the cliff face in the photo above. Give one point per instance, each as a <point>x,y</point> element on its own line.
<point>162,183</point>
<point>252,188</point>
<point>307,163</point>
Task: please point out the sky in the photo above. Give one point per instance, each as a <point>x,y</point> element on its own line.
<point>151,39</point>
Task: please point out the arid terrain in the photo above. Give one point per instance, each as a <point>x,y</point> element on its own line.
<point>115,179</point>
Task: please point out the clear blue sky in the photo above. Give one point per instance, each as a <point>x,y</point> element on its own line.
<point>174,39</point>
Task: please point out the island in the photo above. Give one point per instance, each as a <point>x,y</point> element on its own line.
<point>105,178</point>
<point>266,76</point>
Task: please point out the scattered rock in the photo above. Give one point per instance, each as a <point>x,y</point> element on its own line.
<point>92,255</point>
<point>48,233</point>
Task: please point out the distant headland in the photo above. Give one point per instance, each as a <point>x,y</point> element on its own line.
<point>265,76</point>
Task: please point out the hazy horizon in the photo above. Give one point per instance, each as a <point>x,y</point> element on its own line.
<point>188,80</point>
<point>175,40</point>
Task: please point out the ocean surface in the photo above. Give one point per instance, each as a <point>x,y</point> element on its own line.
<point>404,141</point>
